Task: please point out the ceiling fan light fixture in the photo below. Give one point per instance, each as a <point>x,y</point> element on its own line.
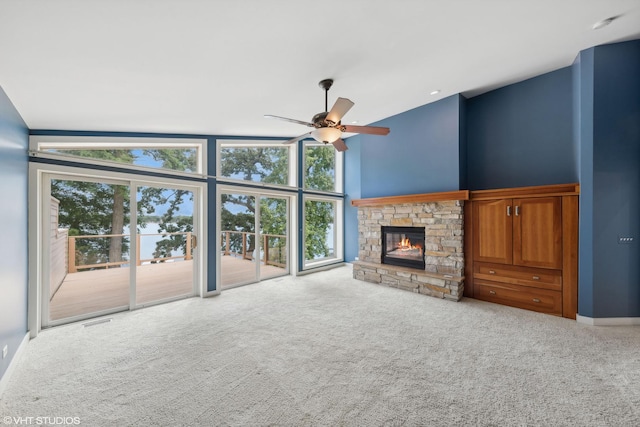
<point>326,134</point>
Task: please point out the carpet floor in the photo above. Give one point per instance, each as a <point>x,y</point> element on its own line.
<point>327,350</point>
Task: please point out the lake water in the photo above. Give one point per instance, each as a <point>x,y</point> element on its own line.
<point>148,243</point>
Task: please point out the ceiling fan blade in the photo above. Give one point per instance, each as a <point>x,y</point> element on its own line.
<point>297,138</point>
<point>339,109</point>
<point>371,130</point>
<point>300,122</point>
<point>340,145</point>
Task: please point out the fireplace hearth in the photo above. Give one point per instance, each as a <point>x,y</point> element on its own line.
<point>403,246</point>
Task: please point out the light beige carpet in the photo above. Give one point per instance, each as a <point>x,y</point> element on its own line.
<point>325,349</point>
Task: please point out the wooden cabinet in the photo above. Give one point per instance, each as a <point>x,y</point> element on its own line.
<point>493,231</point>
<point>522,247</point>
<point>525,232</point>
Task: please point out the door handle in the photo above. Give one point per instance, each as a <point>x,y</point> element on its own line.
<point>194,241</point>
<point>517,210</point>
<point>508,210</point>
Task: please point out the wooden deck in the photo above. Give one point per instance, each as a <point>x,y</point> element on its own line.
<point>94,291</point>
<point>236,270</point>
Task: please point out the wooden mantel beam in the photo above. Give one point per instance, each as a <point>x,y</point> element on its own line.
<point>413,198</point>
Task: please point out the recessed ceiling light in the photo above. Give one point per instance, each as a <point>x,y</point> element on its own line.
<point>354,122</point>
<point>603,23</point>
<point>435,92</point>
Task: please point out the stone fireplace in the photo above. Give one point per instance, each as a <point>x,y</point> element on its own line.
<point>436,216</point>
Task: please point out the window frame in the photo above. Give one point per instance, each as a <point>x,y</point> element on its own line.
<point>38,143</point>
<point>338,232</point>
<point>338,186</point>
<point>292,179</point>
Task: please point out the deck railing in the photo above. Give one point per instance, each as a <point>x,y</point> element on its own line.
<point>272,255</point>
<point>71,259</point>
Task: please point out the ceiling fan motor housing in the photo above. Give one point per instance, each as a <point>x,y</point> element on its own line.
<point>320,120</point>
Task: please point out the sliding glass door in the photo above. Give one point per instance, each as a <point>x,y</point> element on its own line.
<point>247,255</point>
<point>89,248</point>
<point>165,243</point>
<point>273,237</point>
<point>112,245</point>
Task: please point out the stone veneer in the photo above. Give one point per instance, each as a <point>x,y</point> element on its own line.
<point>443,276</point>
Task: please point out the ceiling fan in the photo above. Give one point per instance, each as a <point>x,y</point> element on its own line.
<point>328,128</point>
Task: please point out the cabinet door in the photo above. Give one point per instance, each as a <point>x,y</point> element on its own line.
<point>537,229</point>
<point>492,231</point>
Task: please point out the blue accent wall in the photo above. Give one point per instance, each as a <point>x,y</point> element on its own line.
<point>616,179</point>
<point>14,141</point>
<point>420,154</point>
<point>522,134</point>
<point>583,135</point>
<point>462,143</point>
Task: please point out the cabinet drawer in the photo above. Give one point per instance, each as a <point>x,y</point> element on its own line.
<point>525,276</point>
<point>542,300</point>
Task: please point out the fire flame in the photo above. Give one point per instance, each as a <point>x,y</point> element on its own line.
<point>405,245</point>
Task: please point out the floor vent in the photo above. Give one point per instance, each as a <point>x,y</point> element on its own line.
<point>96,322</point>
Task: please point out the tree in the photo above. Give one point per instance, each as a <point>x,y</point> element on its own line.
<point>86,208</point>
<point>270,165</point>
<point>170,222</point>
<point>117,202</point>
<point>90,208</point>
<point>318,216</point>
<point>261,164</point>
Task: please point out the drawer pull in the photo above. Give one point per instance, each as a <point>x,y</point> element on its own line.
<point>492,292</point>
<point>536,300</point>
<point>492,272</point>
<point>536,277</point>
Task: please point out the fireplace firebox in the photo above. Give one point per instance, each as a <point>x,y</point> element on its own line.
<point>403,246</point>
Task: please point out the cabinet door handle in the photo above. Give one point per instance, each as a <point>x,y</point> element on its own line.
<point>517,210</point>
<point>492,272</point>
<point>492,292</point>
<point>536,277</point>
<point>536,300</point>
<point>508,210</point>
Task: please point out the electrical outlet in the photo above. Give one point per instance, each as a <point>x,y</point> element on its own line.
<point>625,240</point>
<point>5,350</point>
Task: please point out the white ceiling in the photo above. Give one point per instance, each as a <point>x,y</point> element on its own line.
<point>216,66</point>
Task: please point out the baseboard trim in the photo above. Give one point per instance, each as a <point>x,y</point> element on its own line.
<point>608,321</point>
<point>7,374</point>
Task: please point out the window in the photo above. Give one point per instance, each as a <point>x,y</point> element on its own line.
<point>183,156</point>
<point>322,230</point>
<point>255,161</point>
<point>322,167</point>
